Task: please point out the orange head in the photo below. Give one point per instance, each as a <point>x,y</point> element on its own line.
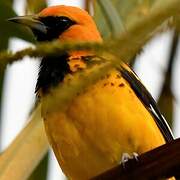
<point>65,23</point>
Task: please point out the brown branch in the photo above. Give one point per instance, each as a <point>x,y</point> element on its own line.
<point>87,5</point>
<point>162,162</point>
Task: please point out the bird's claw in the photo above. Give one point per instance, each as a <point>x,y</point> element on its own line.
<point>126,157</point>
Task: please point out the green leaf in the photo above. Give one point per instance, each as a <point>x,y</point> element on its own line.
<point>1,89</point>
<point>166,99</point>
<point>131,10</point>
<point>41,171</point>
<point>101,21</point>
<point>113,19</point>
<point>34,6</point>
<point>8,29</point>
<point>128,11</point>
<point>22,156</point>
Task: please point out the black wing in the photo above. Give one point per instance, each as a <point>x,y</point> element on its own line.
<point>146,98</point>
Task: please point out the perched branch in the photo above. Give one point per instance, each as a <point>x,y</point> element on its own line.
<point>162,162</point>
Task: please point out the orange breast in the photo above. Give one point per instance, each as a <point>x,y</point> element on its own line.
<point>98,126</point>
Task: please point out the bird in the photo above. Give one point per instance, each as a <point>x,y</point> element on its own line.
<point>116,115</point>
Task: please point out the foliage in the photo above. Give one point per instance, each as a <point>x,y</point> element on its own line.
<point>22,156</point>
<point>122,13</point>
<point>34,6</point>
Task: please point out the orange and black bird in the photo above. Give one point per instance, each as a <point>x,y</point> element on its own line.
<point>115,115</point>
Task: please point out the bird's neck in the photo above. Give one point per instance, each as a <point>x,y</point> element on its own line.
<point>77,60</point>
<point>52,70</point>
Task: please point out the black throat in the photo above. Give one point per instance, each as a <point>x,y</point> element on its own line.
<point>52,68</point>
<point>51,72</point>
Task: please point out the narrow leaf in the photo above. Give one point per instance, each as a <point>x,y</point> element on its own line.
<point>9,29</point>
<point>166,99</point>
<point>19,160</point>
<point>40,173</point>
<point>128,11</point>
<point>113,19</point>
<point>34,6</point>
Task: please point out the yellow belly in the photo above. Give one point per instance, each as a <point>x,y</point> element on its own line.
<point>99,125</point>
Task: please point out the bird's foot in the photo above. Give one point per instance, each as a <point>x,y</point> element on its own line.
<point>126,157</point>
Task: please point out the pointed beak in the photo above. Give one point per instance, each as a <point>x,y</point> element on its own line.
<point>31,21</point>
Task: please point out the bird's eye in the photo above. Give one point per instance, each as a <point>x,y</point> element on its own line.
<point>59,22</point>
<point>55,26</point>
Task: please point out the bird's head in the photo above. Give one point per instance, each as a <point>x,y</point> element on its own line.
<point>61,22</point>
<point>67,24</point>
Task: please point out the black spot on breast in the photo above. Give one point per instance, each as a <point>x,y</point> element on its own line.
<point>121,85</point>
<point>76,66</point>
<point>108,75</point>
<point>51,72</point>
<point>118,76</point>
<point>130,141</point>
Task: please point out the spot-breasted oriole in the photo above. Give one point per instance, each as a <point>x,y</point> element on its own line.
<point>116,115</point>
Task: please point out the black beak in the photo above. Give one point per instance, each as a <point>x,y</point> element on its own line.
<point>31,21</point>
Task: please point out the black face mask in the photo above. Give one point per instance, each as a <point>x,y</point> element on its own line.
<point>54,25</point>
